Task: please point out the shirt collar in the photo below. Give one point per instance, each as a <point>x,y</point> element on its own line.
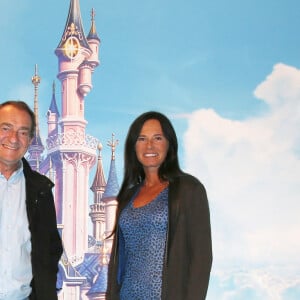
<point>15,175</point>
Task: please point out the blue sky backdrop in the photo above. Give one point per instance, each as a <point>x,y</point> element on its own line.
<point>227,74</point>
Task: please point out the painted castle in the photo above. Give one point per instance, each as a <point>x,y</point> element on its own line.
<point>67,159</point>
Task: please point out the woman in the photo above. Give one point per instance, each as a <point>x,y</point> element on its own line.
<point>162,243</point>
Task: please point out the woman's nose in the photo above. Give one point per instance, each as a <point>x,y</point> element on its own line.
<point>149,143</point>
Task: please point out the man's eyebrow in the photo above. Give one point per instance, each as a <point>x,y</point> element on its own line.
<point>11,126</point>
<point>24,128</point>
<point>6,124</point>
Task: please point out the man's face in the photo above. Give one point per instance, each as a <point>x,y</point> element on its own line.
<point>15,126</point>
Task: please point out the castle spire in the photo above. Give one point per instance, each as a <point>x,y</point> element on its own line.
<point>36,79</point>
<point>113,144</point>
<point>53,114</point>
<point>73,38</point>
<point>36,148</point>
<point>93,32</point>
<point>53,106</point>
<point>94,42</point>
<point>99,182</point>
<point>111,192</point>
<point>112,187</point>
<point>97,212</point>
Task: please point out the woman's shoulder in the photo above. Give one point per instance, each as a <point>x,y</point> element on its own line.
<point>187,179</point>
<point>129,192</point>
<point>187,189</point>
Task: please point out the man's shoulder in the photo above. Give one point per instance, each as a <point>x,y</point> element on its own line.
<point>35,177</point>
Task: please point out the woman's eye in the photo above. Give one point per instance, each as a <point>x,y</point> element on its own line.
<point>158,138</point>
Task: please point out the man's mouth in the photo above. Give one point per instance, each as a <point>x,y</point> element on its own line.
<point>9,147</point>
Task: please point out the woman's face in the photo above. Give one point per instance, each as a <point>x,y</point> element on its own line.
<point>151,146</point>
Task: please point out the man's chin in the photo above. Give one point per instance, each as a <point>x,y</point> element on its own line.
<point>10,162</point>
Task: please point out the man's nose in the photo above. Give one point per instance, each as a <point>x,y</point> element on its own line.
<point>13,135</point>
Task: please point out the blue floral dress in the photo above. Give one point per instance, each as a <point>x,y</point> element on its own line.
<point>142,242</point>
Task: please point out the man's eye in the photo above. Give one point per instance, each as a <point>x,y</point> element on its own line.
<point>5,128</point>
<point>24,133</point>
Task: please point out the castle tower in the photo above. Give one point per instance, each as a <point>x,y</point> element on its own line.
<point>72,151</point>
<point>110,195</point>
<point>97,212</point>
<point>36,148</point>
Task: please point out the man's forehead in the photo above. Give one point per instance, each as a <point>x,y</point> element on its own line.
<point>13,115</point>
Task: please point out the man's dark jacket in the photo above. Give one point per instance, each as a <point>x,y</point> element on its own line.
<point>188,255</point>
<point>45,239</point>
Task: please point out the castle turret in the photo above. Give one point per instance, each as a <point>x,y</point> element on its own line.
<point>97,212</point>
<point>94,42</point>
<point>110,195</point>
<point>87,67</point>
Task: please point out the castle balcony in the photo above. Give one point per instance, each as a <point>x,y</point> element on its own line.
<point>72,141</point>
<point>97,208</point>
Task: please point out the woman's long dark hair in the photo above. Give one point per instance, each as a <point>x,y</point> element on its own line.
<point>133,169</point>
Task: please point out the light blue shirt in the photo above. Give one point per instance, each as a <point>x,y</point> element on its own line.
<point>15,245</point>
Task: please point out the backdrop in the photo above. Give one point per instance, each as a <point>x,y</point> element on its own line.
<point>227,74</point>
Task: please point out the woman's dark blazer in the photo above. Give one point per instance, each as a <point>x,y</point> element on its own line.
<point>188,256</point>
<point>45,240</point>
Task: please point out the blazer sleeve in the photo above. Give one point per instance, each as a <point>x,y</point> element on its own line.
<point>199,241</point>
<point>56,248</point>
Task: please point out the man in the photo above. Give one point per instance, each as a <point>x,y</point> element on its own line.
<point>30,245</point>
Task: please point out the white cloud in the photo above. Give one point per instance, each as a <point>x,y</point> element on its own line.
<point>260,283</point>
<point>281,88</point>
<point>251,170</point>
